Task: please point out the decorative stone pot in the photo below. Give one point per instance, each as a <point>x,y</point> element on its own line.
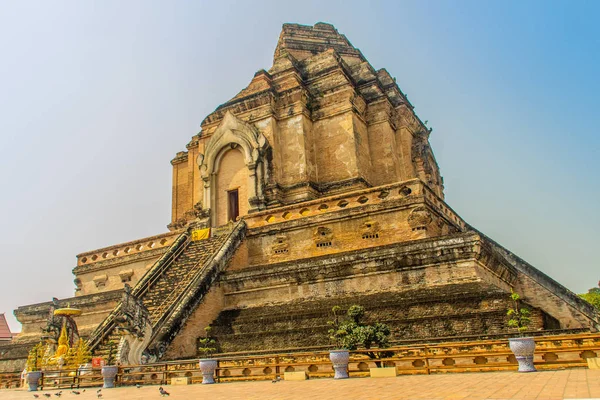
<point>523,349</point>
<point>339,359</point>
<point>109,372</point>
<point>33,379</point>
<point>208,366</point>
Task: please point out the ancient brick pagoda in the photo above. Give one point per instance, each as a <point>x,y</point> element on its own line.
<point>320,188</point>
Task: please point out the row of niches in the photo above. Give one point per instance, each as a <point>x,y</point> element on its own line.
<point>339,204</point>
<point>323,237</point>
<point>125,250</point>
<point>100,281</point>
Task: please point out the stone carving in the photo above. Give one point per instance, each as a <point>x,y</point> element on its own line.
<point>133,323</point>
<point>420,153</point>
<point>370,229</point>
<point>323,237</point>
<point>419,218</point>
<point>281,245</point>
<point>53,324</point>
<point>133,317</point>
<point>179,224</point>
<point>100,280</point>
<point>200,212</point>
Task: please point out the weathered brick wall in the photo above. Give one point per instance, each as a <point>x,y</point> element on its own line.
<point>428,314</point>
<point>94,307</point>
<point>333,124</point>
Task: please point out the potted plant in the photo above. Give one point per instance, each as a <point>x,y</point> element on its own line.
<point>109,371</point>
<point>353,334</point>
<point>34,366</point>
<point>339,356</point>
<point>522,347</point>
<point>206,348</point>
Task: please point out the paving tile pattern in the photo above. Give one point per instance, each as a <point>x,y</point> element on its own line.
<point>548,385</point>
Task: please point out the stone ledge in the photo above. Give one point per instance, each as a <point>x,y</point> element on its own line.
<point>410,254</point>
<point>75,302</point>
<point>123,260</point>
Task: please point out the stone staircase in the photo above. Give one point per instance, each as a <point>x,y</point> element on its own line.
<point>173,287</point>
<point>103,349</point>
<point>173,281</point>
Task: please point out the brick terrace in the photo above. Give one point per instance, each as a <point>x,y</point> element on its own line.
<point>547,385</point>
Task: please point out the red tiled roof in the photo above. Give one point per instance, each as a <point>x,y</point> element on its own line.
<point>4,329</point>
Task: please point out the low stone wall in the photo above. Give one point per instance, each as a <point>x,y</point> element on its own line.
<point>552,352</point>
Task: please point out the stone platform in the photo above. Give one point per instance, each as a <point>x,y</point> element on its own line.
<point>549,385</point>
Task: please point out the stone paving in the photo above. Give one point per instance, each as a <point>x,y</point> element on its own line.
<point>547,385</point>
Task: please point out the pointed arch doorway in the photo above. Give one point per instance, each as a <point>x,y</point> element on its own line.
<point>231,186</point>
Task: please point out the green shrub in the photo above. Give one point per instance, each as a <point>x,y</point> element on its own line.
<point>592,297</point>
<point>353,334</point>
<point>207,345</point>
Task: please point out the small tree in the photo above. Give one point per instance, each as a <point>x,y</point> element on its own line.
<point>518,316</point>
<point>336,334</point>
<point>207,345</point>
<point>353,333</point>
<point>592,297</point>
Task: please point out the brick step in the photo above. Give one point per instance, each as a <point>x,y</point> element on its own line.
<point>304,323</point>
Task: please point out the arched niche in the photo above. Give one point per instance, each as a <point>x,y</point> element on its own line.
<point>234,134</point>
<point>231,185</point>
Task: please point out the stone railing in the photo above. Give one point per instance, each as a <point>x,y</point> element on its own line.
<point>440,205</point>
<point>129,248</point>
<point>177,247</point>
<point>346,201</point>
<point>552,352</point>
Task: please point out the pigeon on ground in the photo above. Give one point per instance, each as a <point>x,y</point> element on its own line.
<point>137,385</point>
<point>37,396</point>
<point>75,392</point>
<point>99,395</point>
<point>163,392</point>
<point>58,394</point>
<point>98,391</point>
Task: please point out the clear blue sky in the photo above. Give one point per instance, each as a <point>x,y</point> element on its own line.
<point>96,97</point>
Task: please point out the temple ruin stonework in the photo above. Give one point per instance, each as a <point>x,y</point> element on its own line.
<point>314,186</point>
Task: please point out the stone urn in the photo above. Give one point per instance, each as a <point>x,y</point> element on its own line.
<point>339,359</point>
<point>208,367</point>
<point>33,379</point>
<point>109,372</point>
<point>523,349</point>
